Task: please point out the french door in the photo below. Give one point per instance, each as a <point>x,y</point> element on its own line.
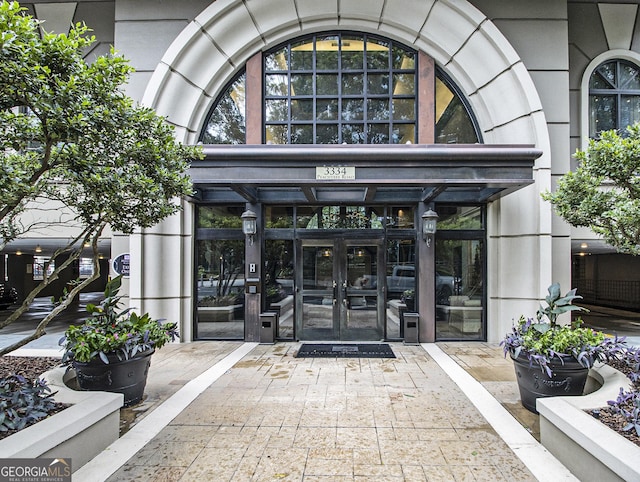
<point>340,294</point>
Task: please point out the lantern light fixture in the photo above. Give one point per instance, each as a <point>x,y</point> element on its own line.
<point>429,225</point>
<point>249,225</point>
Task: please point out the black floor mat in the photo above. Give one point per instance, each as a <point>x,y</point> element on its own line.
<point>342,350</point>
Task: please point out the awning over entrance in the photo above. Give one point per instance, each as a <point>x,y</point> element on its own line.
<point>372,173</point>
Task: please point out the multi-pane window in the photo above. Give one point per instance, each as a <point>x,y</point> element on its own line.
<point>340,88</point>
<point>614,96</point>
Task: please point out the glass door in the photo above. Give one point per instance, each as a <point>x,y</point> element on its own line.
<point>340,297</point>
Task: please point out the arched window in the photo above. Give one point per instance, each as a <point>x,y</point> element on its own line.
<point>226,122</point>
<point>337,88</point>
<point>614,96</point>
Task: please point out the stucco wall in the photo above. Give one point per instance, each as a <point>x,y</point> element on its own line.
<point>509,90</point>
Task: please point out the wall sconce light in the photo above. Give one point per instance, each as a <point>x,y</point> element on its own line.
<point>249,226</point>
<point>429,225</point>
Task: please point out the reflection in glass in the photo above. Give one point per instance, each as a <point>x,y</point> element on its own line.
<point>401,282</point>
<point>301,84</point>
<point>226,121</point>
<point>459,289</point>
<point>277,134</point>
<point>378,109</point>
<point>220,289</point>
<point>340,217</point>
<point>459,217</point>
<point>378,84</point>
<point>327,109</point>
<point>352,84</point>
<point>378,134</point>
<point>327,84</point>
<point>326,134</point>
<point>278,217</point>
<point>404,109</point>
<point>629,110</point>
<point>276,110</point>
<point>219,217</point>
<point>614,96</point>
<point>352,109</point>
<point>332,69</point>
<point>302,134</point>
<point>453,122</point>
<point>279,284</point>
<point>302,109</point>
<point>602,113</point>
<point>276,85</point>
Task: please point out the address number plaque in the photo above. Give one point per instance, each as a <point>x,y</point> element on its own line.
<point>335,172</point>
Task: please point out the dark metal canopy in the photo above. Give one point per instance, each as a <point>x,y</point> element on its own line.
<point>372,174</point>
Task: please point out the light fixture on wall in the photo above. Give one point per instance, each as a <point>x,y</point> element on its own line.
<point>249,225</point>
<point>429,225</point>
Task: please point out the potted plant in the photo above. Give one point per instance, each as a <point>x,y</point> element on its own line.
<point>112,350</point>
<point>551,359</point>
<point>409,299</point>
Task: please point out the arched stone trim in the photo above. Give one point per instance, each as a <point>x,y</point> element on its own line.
<point>464,42</point>
<point>617,54</point>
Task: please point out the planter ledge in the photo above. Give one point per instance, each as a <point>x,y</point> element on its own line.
<point>587,447</point>
<point>79,432</point>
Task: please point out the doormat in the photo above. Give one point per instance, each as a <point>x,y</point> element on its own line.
<point>365,350</point>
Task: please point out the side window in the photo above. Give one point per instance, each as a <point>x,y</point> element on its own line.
<point>226,121</point>
<point>614,96</point>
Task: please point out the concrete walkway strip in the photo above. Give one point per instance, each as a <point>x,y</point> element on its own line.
<point>542,464</point>
<point>120,451</point>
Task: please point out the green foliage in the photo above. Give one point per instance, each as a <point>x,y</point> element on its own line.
<point>557,305</point>
<point>112,331</point>
<point>69,133</point>
<point>545,340</point>
<point>23,402</point>
<point>603,193</point>
<point>70,137</point>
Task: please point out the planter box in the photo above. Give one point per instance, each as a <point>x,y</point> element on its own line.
<point>587,447</point>
<point>79,432</point>
<point>218,313</point>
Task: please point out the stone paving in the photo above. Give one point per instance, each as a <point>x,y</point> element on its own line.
<point>277,417</point>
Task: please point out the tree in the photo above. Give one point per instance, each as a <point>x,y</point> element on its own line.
<point>603,193</point>
<point>69,136</point>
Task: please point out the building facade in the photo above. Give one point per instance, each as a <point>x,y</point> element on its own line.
<point>334,130</point>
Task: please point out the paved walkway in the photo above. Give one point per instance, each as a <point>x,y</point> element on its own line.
<point>245,412</point>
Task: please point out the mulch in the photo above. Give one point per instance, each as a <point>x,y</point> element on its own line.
<point>30,368</point>
<point>615,421</point>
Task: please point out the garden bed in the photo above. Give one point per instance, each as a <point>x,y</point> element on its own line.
<point>80,432</point>
<point>587,447</point>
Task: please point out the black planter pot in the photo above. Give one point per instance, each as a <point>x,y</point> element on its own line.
<point>567,379</point>
<point>410,301</point>
<point>128,377</point>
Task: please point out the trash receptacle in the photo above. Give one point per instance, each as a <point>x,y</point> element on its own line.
<point>411,322</point>
<point>268,322</point>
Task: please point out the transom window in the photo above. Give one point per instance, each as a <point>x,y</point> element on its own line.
<point>340,88</point>
<point>337,88</point>
<point>614,96</point>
